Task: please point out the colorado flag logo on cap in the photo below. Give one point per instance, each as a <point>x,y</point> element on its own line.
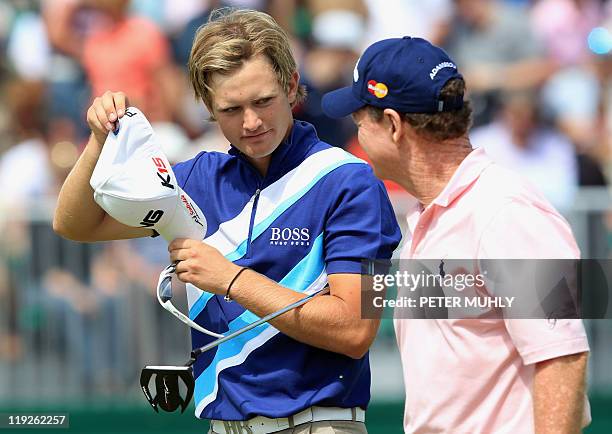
<point>379,90</point>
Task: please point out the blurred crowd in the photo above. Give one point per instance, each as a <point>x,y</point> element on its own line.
<point>539,74</point>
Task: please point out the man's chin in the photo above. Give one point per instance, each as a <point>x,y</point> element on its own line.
<point>260,150</point>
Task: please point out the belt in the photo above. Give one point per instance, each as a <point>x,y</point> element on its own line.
<point>265,425</point>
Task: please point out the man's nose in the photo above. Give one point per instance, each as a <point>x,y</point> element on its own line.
<point>251,121</point>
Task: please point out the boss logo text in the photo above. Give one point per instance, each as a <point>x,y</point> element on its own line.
<point>290,236</point>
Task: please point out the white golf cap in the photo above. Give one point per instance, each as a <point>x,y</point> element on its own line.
<point>134,183</point>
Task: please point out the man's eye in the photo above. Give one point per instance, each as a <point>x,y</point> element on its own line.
<point>229,110</point>
<point>263,101</point>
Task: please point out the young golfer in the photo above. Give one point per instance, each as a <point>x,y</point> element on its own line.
<point>287,214</point>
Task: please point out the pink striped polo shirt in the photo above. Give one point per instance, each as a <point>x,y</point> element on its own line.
<point>476,375</point>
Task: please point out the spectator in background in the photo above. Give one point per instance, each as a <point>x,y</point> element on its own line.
<point>26,173</point>
<point>18,166</point>
<point>494,43</point>
<point>31,169</point>
<point>28,48</point>
<point>563,26</point>
<point>91,311</point>
<point>170,16</point>
<point>605,67</point>
<point>578,98</point>
<point>7,14</point>
<point>192,111</point>
<point>519,140</point>
<point>73,309</point>
<point>336,35</point>
<point>182,37</point>
<point>281,10</point>
<point>396,18</point>
<point>11,347</point>
<point>68,22</point>
<point>30,174</point>
<point>132,54</point>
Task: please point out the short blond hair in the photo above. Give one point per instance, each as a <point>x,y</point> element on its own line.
<point>232,36</point>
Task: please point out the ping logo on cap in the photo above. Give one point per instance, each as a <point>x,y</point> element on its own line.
<point>152,217</point>
<point>379,90</point>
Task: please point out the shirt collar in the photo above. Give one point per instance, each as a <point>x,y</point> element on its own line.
<point>468,171</point>
<point>290,153</point>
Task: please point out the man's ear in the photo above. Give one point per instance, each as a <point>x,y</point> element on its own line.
<point>394,121</point>
<point>293,87</point>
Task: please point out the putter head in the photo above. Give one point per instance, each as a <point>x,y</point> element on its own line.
<point>167,391</point>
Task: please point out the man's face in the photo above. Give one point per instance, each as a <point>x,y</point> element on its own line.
<point>374,139</point>
<point>253,110</point>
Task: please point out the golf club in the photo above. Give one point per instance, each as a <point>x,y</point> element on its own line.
<point>168,396</point>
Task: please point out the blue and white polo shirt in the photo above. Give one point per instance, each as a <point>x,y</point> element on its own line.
<point>318,211</point>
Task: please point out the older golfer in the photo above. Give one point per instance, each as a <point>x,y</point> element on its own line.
<point>287,214</point>
<point>464,375</point>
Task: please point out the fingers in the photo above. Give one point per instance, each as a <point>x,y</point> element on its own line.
<point>180,255</point>
<point>105,111</point>
<point>92,119</point>
<point>121,103</point>
<point>182,267</point>
<point>181,249</point>
<point>178,243</point>
<point>184,271</point>
<point>101,114</point>
<point>184,276</point>
<point>109,113</point>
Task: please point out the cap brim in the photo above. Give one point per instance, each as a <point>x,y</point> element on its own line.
<point>340,103</point>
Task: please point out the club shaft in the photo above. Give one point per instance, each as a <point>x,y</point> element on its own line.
<point>260,321</point>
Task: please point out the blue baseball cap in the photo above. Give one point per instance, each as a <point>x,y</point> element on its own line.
<point>405,74</point>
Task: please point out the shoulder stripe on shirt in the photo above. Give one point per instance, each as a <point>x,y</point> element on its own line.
<point>307,277</point>
<point>231,237</point>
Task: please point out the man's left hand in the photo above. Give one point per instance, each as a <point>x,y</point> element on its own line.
<point>202,265</point>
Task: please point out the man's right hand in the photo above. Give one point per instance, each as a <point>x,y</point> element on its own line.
<point>104,112</point>
<point>77,216</point>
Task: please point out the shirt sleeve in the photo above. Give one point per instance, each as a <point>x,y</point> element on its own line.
<point>361,224</point>
<point>527,231</point>
<point>182,171</point>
